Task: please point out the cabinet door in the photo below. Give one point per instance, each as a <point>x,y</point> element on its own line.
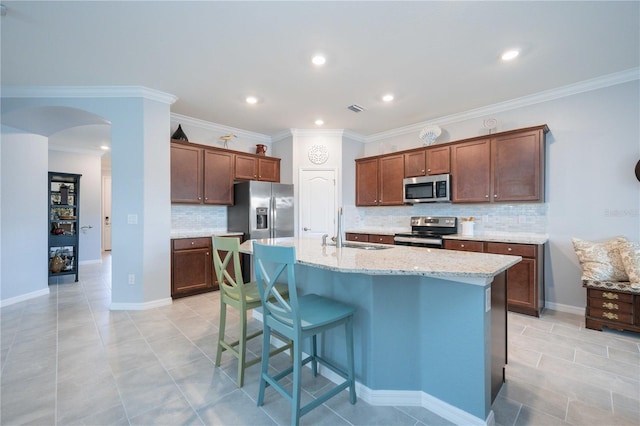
<point>246,168</point>
<point>186,174</point>
<point>269,169</point>
<point>438,160</point>
<point>471,171</point>
<point>415,164</point>
<point>391,170</point>
<point>218,177</point>
<point>367,182</point>
<point>381,239</point>
<point>191,269</point>
<point>521,284</point>
<point>517,167</point>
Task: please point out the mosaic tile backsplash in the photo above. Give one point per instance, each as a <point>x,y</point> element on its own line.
<point>186,217</point>
<point>489,219</point>
<point>493,218</point>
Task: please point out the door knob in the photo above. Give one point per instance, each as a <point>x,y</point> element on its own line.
<point>306,229</point>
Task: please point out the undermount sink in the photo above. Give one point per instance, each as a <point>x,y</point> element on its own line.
<point>362,246</point>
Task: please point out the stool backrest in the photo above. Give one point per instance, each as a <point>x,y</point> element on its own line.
<point>232,284</point>
<point>276,264</point>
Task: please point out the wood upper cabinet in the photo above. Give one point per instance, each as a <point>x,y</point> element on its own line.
<point>186,174</point>
<point>379,181</point>
<point>257,168</point>
<point>391,169</point>
<point>516,163</point>
<point>428,161</point>
<point>218,178</point>
<point>471,171</point>
<point>438,160</point>
<point>367,182</point>
<point>506,167</point>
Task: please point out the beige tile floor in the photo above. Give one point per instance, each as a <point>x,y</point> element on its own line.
<point>67,359</point>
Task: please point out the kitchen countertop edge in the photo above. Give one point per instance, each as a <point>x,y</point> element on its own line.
<point>203,233</point>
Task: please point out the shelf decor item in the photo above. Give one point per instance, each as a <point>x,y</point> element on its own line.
<point>179,134</point>
<point>429,134</point>
<point>261,149</point>
<point>318,154</point>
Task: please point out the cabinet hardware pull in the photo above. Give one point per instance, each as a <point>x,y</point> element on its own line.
<point>509,249</point>
<point>207,253</point>
<point>609,315</point>
<point>193,242</point>
<point>495,195</point>
<point>462,245</point>
<point>610,305</point>
<point>612,296</point>
<point>486,196</point>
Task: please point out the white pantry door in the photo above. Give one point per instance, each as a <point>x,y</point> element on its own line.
<point>317,195</point>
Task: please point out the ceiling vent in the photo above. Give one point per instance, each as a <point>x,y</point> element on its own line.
<point>356,108</point>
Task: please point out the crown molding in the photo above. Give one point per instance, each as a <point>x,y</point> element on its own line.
<point>317,132</point>
<point>545,96</point>
<point>87,92</point>
<point>215,127</point>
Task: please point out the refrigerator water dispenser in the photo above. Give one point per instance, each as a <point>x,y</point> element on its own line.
<point>261,217</point>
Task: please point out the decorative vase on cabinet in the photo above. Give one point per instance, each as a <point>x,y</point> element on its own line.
<point>64,217</point>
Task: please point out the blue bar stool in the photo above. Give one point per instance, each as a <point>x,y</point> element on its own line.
<point>234,292</point>
<point>298,318</point>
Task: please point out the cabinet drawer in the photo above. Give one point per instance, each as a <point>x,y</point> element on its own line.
<point>612,306</point>
<point>524,250</point>
<point>464,245</point>
<point>191,243</point>
<point>382,239</point>
<point>357,237</point>
<point>609,295</point>
<point>605,314</point>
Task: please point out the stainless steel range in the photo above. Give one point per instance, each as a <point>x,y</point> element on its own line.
<point>427,231</point>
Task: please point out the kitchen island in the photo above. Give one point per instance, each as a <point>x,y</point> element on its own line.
<point>430,329</point>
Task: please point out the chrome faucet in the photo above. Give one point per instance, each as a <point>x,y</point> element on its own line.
<point>324,240</point>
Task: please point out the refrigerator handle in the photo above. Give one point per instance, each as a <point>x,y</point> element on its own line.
<point>272,206</point>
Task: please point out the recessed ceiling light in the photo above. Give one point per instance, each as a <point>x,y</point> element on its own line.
<point>510,54</point>
<point>319,122</point>
<point>104,147</point>
<point>252,100</point>
<point>319,60</point>
<point>387,97</point>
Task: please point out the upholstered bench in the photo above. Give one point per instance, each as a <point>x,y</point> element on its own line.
<point>614,304</point>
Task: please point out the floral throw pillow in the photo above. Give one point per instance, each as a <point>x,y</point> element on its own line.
<point>630,254</point>
<point>601,261</point>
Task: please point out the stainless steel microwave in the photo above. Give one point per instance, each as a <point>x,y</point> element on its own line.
<point>427,189</point>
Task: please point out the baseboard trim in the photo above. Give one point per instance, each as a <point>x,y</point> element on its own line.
<point>570,309</point>
<point>140,306</point>
<point>23,297</point>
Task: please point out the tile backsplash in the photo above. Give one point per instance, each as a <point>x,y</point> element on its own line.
<point>190,217</point>
<point>489,218</point>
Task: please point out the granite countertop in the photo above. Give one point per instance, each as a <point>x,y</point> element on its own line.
<point>515,238</point>
<point>459,266</point>
<point>204,232</point>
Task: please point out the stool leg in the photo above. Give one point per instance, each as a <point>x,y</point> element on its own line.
<point>223,320</point>
<point>264,365</point>
<point>352,385</point>
<point>242,347</point>
<point>297,367</point>
<point>314,354</point>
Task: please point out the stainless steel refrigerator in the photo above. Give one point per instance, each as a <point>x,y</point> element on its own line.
<point>262,210</point>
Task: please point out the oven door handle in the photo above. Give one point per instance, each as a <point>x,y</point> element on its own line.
<point>433,241</point>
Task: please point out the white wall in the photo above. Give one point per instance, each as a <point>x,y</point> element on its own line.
<point>23,216</point>
<point>87,165</point>
<point>592,193</point>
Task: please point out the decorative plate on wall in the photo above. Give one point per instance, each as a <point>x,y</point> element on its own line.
<point>318,154</point>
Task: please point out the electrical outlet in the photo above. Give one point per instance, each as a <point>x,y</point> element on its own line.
<point>132,279</point>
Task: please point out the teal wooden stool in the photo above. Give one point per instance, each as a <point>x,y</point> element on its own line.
<point>243,297</point>
<point>298,318</point>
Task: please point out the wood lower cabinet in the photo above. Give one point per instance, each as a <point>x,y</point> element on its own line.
<point>370,238</point>
<point>612,308</point>
<point>379,181</point>
<point>192,270</point>
<point>525,280</point>
<point>191,267</point>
